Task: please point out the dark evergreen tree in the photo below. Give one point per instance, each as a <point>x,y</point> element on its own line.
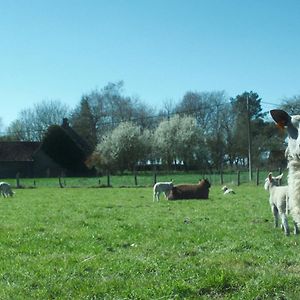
<point>248,115</point>
<point>84,123</point>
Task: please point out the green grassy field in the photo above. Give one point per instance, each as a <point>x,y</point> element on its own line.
<point>116,243</point>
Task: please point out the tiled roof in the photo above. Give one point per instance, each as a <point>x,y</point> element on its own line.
<point>18,151</point>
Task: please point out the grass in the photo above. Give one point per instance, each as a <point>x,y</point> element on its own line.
<point>116,243</point>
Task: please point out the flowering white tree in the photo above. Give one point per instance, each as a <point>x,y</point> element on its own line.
<point>179,139</point>
<point>191,145</point>
<point>164,141</point>
<point>122,148</point>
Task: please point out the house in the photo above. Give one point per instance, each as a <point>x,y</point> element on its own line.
<point>17,157</point>
<point>29,160</point>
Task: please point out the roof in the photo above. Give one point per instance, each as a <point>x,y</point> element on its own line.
<point>24,151</point>
<point>80,141</point>
<point>18,151</point>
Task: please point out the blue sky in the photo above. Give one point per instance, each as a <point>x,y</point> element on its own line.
<point>161,49</point>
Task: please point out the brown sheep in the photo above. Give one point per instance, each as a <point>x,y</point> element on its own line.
<point>190,191</point>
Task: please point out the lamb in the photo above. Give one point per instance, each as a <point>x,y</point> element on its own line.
<point>292,123</point>
<point>190,191</point>
<point>162,187</point>
<point>227,191</point>
<point>5,189</point>
<point>278,200</point>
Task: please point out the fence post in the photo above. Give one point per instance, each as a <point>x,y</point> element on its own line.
<point>60,182</point>
<point>154,178</point>
<point>135,179</point>
<point>18,179</point>
<point>108,179</point>
<point>221,177</point>
<point>257,176</point>
<point>238,178</point>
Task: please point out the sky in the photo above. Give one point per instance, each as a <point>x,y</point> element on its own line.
<point>62,49</point>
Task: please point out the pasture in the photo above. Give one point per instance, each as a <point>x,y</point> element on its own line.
<point>116,243</point>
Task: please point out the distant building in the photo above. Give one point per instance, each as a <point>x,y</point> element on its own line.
<point>17,157</point>
<point>28,159</point>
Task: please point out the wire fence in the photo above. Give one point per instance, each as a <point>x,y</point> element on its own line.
<point>144,179</point>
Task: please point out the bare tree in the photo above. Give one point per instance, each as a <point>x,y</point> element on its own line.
<point>2,133</point>
<point>32,123</point>
<point>291,105</point>
<point>204,106</point>
<point>109,107</point>
<point>1,125</point>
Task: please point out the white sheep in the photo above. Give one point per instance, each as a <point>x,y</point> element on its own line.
<point>292,123</point>
<point>226,190</point>
<point>162,187</point>
<point>278,200</point>
<point>5,189</point>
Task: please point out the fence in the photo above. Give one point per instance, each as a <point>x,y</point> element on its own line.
<point>143,179</point>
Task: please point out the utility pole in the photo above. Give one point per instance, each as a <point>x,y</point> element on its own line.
<point>249,140</point>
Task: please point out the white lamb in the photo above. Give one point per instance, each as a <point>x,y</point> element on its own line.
<point>278,200</point>
<point>5,189</point>
<point>162,187</point>
<point>226,190</point>
<point>292,123</point>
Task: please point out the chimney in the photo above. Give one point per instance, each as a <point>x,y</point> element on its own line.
<point>65,123</point>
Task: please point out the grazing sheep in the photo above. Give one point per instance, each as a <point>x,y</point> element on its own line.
<point>278,201</point>
<point>292,123</point>
<point>5,189</point>
<point>162,187</point>
<point>190,191</point>
<point>226,190</point>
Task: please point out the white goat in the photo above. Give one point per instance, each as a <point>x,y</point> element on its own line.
<point>292,123</point>
<point>278,200</point>
<point>226,190</point>
<point>162,187</point>
<point>5,189</point>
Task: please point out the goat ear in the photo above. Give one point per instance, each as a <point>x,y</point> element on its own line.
<point>281,117</point>
<point>270,176</point>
